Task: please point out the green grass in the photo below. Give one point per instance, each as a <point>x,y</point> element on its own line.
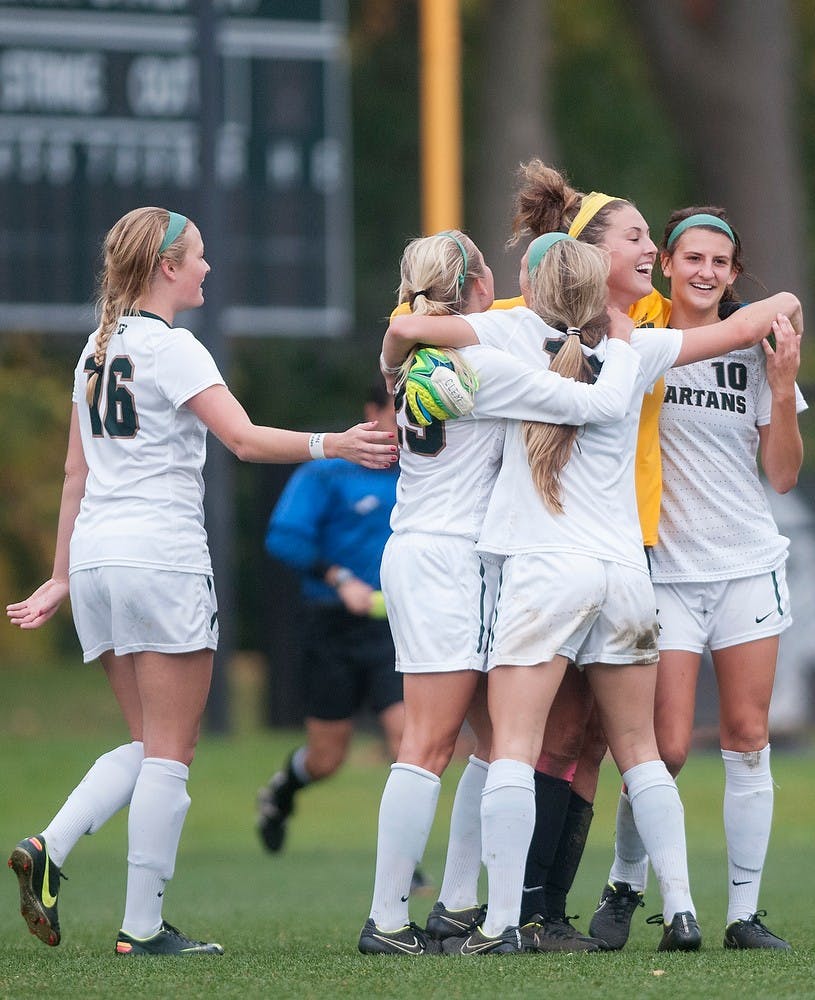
<point>290,922</point>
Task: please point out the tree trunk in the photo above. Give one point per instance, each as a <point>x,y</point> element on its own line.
<point>726,68</point>
<point>513,123</point>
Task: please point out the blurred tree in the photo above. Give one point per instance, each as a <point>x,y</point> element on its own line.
<point>34,411</point>
<point>728,73</point>
<point>514,114</point>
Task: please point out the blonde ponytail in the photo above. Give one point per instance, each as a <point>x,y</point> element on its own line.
<point>567,290</point>
<point>437,275</point>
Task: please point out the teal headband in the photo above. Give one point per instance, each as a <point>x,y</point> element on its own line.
<point>539,246</point>
<point>174,227</point>
<point>460,245</point>
<point>703,219</point>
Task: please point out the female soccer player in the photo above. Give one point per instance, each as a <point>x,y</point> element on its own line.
<point>438,592</point>
<point>718,569</point>
<point>132,551</point>
<point>575,587</point>
<point>573,744</point>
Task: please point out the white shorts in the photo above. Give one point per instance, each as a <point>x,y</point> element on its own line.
<point>131,610</point>
<point>439,596</point>
<point>585,609</point>
<point>722,613</point>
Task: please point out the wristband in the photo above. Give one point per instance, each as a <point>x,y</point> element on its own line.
<point>386,369</point>
<point>341,576</point>
<point>316,446</point>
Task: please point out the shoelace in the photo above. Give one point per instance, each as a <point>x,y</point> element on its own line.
<point>177,933</point>
<point>756,922</point>
<point>618,903</point>
<point>478,919</point>
<point>632,895</point>
<point>419,932</point>
<point>561,926</point>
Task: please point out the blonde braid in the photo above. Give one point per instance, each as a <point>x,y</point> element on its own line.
<point>131,258</point>
<point>107,324</point>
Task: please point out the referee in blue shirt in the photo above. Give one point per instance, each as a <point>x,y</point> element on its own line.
<point>330,525</point>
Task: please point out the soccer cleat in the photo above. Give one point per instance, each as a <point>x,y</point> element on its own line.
<point>407,940</point>
<point>611,922</point>
<point>443,923</point>
<point>477,943</point>
<point>681,934</point>
<point>168,941</point>
<point>751,933</point>
<point>39,887</point>
<point>556,934</point>
<point>274,808</point>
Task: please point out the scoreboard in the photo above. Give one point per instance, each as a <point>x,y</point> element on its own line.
<point>101,111</point>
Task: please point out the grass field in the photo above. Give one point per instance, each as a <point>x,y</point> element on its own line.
<point>290,923</point>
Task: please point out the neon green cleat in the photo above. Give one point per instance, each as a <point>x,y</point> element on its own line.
<point>39,887</point>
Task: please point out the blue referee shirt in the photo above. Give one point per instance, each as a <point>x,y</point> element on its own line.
<point>333,513</point>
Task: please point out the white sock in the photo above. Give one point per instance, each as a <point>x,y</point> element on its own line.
<point>158,809</point>
<point>748,817</point>
<point>104,790</point>
<point>630,857</point>
<point>660,820</point>
<point>459,887</point>
<point>405,817</point>
<point>507,822</point>
<point>298,766</point>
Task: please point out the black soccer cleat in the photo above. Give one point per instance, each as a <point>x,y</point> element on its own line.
<point>550,934</point>
<point>443,923</point>
<point>508,942</point>
<point>38,877</point>
<point>168,941</point>
<point>611,921</point>
<point>751,933</point>
<point>274,809</point>
<point>407,940</point>
<point>681,934</point>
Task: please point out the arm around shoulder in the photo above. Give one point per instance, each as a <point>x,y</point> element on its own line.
<point>405,332</point>
<point>744,328</point>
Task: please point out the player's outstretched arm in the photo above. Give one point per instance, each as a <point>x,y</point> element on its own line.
<point>229,422</point>
<point>743,328</point>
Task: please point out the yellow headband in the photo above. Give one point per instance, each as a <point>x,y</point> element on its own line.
<point>590,206</point>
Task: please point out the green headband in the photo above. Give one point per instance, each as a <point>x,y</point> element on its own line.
<point>703,219</point>
<point>174,226</point>
<point>460,245</point>
<point>539,246</point>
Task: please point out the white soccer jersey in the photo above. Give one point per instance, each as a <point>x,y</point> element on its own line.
<point>715,522</point>
<point>143,503</point>
<point>447,470</point>
<point>597,484</point>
